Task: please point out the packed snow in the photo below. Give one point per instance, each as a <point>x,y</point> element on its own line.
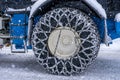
<point>117,17</point>
<point>33,0</point>
<point>16,10</point>
<point>97,7</point>
<point>21,66</point>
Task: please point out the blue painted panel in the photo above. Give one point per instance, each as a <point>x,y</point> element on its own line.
<point>18,27</point>
<point>117,25</point>
<point>111,28</point>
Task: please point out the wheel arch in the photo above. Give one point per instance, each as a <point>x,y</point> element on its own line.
<point>46,5</point>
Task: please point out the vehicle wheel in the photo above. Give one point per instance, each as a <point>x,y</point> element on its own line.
<point>65,41</point>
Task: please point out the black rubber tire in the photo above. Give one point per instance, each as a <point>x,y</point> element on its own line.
<point>78,21</point>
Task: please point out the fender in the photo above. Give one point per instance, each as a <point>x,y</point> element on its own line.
<point>40,3</point>
<point>91,3</point>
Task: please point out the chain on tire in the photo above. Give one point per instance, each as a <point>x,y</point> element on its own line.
<point>76,22</point>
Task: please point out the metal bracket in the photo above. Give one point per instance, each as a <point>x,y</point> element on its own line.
<point>24,50</point>
<point>107,38</point>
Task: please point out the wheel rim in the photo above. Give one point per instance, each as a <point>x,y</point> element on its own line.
<point>64,42</point>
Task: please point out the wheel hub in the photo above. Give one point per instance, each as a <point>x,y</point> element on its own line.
<point>64,42</point>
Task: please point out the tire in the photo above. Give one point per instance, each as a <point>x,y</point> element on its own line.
<point>55,22</point>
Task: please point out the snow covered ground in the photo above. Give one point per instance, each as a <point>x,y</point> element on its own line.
<point>24,66</point>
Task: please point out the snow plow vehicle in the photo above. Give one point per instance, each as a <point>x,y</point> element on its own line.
<point>65,35</point>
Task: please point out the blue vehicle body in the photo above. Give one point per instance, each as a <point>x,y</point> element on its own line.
<point>112,25</point>
<point>19,22</point>
<point>18,27</point>
<point>117,24</point>
<point>21,30</point>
